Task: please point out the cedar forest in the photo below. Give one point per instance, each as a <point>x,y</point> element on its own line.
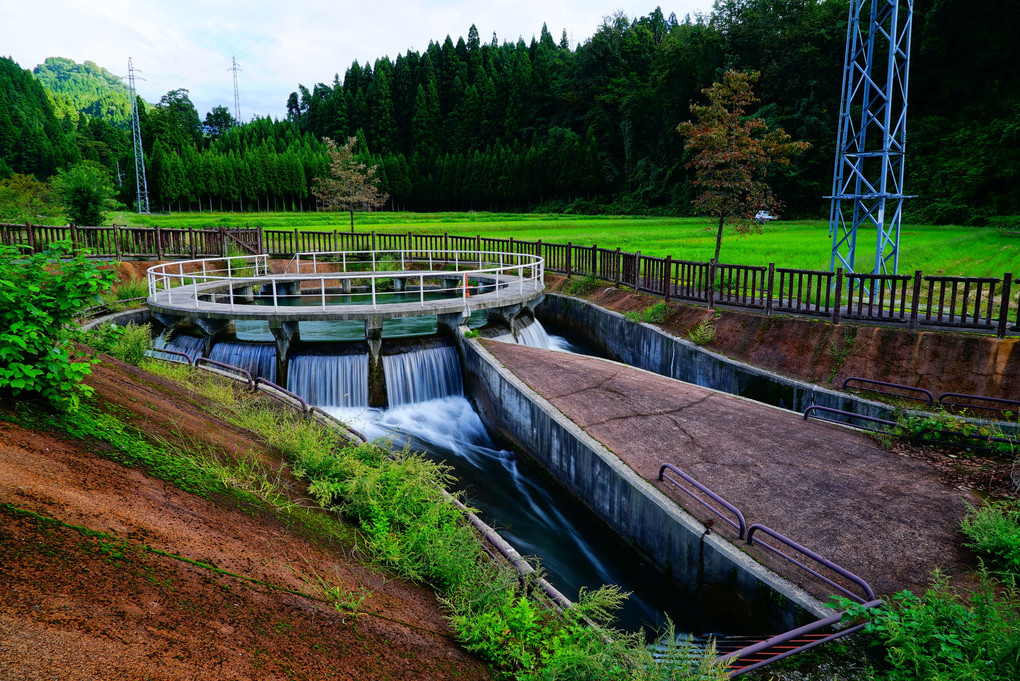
<point>477,124</point>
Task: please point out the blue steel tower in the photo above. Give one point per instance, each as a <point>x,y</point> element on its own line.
<point>867,185</point>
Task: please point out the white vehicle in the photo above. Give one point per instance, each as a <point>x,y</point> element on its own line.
<point>764,216</point>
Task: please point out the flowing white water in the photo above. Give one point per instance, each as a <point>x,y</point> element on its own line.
<point>422,375</point>
<point>330,380</point>
<point>534,335</point>
<point>259,359</point>
<point>190,345</point>
<point>574,547</point>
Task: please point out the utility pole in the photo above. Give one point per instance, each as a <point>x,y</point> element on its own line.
<point>237,101</point>
<point>141,186</point>
<point>867,184</point>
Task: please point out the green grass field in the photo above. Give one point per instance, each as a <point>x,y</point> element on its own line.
<point>947,250</point>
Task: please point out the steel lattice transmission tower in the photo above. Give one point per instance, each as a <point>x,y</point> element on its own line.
<point>237,100</point>
<point>141,186</point>
<point>867,185</point>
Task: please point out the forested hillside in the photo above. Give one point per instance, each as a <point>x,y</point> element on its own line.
<point>88,88</point>
<point>32,138</point>
<point>473,124</point>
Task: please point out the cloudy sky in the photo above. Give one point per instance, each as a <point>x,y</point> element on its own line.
<point>189,43</point>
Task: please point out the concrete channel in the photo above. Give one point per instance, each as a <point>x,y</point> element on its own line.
<point>707,568</point>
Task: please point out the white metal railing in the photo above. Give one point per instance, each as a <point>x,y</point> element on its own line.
<point>181,284</point>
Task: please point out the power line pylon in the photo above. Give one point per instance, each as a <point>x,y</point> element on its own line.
<point>867,185</point>
<point>237,100</point>
<point>141,186</point>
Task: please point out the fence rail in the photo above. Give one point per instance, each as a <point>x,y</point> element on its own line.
<point>985,304</point>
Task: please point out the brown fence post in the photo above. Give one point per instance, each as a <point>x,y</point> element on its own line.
<point>595,260</point>
<point>223,242</point>
<point>373,239</point>
<point>839,296</point>
<point>31,235</point>
<point>191,241</point>
<point>637,271</point>
<point>711,283</point>
<point>570,254</point>
<point>159,244</point>
<point>618,268</point>
<point>297,241</point>
<point>768,289</point>
<point>74,238</point>
<point>915,299</point>
<point>262,243</point>
<point>669,276</point>
<point>116,240</point>
<point>1007,281</point>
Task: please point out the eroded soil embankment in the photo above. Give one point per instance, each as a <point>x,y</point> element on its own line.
<point>824,353</point>
<point>181,586</point>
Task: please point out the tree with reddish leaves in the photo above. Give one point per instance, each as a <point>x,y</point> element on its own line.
<point>351,185</point>
<point>732,154</point>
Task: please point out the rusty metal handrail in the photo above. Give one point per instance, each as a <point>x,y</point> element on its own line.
<point>841,412</point>
<point>740,526</point>
<point>942,401</point>
<point>929,398</point>
<point>279,392</point>
<point>843,572</point>
<point>175,353</point>
<point>243,373</point>
<point>323,414</point>
<point>791,635</point>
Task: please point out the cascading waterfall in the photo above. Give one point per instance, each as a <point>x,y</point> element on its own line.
<point>534,335</point>
<point>428,411</point>
<point>190,345</point>
<point>259,359</point>
<point>422,375</point>
<point>330,380</point>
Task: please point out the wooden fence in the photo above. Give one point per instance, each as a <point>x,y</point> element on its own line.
<point>978,303</point>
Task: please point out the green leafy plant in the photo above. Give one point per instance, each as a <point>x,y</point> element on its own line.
<point>702,333</point>
<point>945,635</point>
<point>994,533</point>
<point>127,343</point>
<point>943,427</point>
<point>582,287</point>
<point>40,295</point>
<point>653,314</point>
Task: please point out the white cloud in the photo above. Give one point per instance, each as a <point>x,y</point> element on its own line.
<point>189,43</point>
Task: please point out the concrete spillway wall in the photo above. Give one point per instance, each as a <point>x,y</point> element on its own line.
<point>714,573</point>
<point>649,347</point>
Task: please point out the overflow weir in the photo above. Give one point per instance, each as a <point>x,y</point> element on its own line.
<point>572,428</point>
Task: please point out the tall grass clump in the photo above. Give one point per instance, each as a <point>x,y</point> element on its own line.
<point>994,534</point>
<point>408,522</point>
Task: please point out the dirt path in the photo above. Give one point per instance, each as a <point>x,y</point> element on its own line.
<point>180,586</point>
<point>885,517</point>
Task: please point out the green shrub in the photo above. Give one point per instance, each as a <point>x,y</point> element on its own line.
<point>941,426</point>
<point>994,533</point>
<point>40,295</point>
<point>582,287</point>
<point>944,636</point>
<point>653,314</point>
<point>126,343</point>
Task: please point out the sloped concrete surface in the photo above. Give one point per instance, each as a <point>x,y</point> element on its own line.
<point>884,517</point>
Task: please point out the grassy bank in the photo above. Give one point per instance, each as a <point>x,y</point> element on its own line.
<point>959,251</point>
